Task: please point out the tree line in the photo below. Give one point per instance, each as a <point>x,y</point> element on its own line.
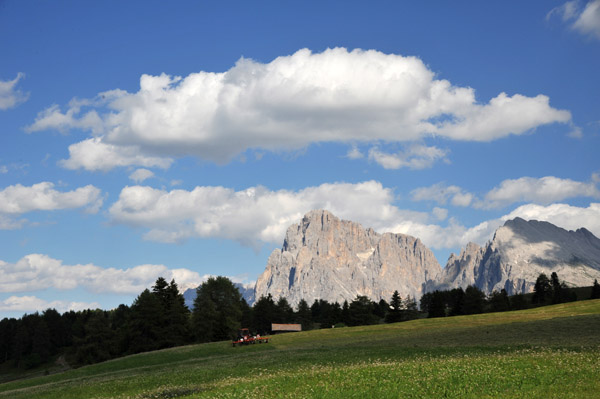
<point>455,302</point>
<point>158,318</point>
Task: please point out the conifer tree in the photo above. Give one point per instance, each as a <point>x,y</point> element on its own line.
<point>394,313</point>
<point>595,290</point>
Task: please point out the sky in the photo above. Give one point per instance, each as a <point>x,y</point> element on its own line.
<point>180,139</point>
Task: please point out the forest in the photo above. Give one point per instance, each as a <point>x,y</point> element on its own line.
<point>158,318</point>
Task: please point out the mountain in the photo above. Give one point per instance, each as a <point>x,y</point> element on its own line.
<point>247,291</point>
<point>518,253</point>
<point>324,257</point>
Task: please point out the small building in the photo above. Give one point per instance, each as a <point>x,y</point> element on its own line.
<point>281,328</point>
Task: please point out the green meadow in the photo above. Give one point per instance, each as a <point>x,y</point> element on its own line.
<point>549,352</point>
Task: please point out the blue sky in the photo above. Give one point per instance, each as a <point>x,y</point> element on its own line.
<point>181,139</point>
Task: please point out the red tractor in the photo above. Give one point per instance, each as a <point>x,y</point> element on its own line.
<point>245,338</point>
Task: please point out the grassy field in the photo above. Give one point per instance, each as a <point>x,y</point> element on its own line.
<point>550,352</point>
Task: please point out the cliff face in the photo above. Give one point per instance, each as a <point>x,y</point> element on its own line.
<point>324,257</point>
<point>518,253</point>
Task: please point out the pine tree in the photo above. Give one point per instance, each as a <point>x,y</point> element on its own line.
<point>499,301</point>
<point>474,300</point>
<point>263,313</point>
<point>436,306</point>
<point>146,323</point>
<point>361,311</point>
<point>410,310</point>
<point>303,315</point>
<point>595,290</point>
<point>394,313</point>
<point>541,290</point>
<point>217,310</point>
<point>558,296</point>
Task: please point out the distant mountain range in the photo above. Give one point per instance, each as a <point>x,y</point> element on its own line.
<point>323,257</point>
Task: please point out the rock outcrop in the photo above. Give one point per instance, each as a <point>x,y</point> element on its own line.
<point>324,257</point>
<point>518,253</point>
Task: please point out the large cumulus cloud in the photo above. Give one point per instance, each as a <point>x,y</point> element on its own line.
<point>288,103</point>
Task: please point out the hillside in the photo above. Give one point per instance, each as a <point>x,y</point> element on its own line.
<point>543,352</point>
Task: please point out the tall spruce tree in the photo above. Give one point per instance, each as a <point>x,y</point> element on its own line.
<point>394,313</point>
<point>217,310</point>
<point>542,290</point>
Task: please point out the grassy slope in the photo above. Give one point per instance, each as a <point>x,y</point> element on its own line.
<point>545,352</point>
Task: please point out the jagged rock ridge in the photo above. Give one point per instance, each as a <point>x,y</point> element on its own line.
<point>518,253</point>
<point>324,257</point>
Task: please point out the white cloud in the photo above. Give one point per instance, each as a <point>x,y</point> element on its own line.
<point>293,101</point>
<point>252,216</point>
<point>95,155</point>
<point>543,190</point>
<point>139,175</point>
<point>586,21</point>
<point>441,193</point>
<point>257,215</point>
<point>354,153</point>
<point>32,304</point>
<point>37,272</point>
<point>3,169</point>
<point>9,96</point>
<point>440,213</point>
<point>563,215</point>
<point>20,199</point>
<point>456,235</point>
<point>8,223</point>
<point>415,157</point>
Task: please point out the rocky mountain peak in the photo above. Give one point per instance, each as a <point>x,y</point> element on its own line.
<point>323,257</point>
<point>519,252</point>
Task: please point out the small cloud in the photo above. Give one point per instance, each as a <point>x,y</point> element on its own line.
<point>544,190</point>
<point>9,96</point>
<point>3,169</point>
<point>441,194</point>
<point>18,199</point>
<point>415,157</point>
<point>575,132</point>
<point>440,213</point>
<point>140,175</point>
<point>176,182</point>
<point>584,20</point>
<point>354,153</point>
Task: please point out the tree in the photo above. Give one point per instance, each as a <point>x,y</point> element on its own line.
<point>217,310</point>
<point>518,302</point>
<point>361,311</point>
<point>595,290</point>
<point>542,289</point>
<point>410,310</point>
<point>456,301</point>
<point>436,307</point>
<point>263,313</point>
<point>394,313</point>
<point>558,295</point>
<point>381,308</point>
<point>284,312</point>
<point>145,324</point>
<point>346,313</point>
<point>303,315</point>
<point>474,300</point>
<point>499,301</point>
<point>98,344</point>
